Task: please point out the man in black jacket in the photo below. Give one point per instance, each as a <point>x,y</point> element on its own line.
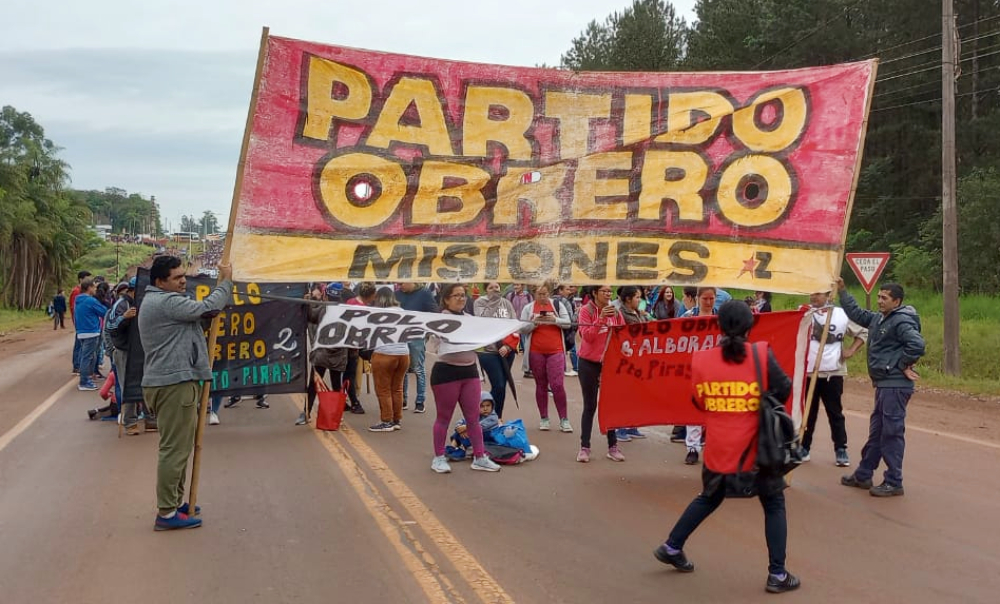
<point>894,346</point>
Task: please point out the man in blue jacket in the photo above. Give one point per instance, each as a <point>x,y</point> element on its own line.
<point>176,367</point>
<point>894,345</point>
<point>414,296</point>
<point>88,312</point>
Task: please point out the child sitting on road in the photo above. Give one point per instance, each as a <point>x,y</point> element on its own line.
<point>488,420</point>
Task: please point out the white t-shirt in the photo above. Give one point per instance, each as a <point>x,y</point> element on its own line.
<point>840,327</point>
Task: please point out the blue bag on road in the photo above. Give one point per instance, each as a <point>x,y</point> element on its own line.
<point>511,434</point>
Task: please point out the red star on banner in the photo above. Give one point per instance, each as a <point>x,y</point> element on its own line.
<point>748,265</point>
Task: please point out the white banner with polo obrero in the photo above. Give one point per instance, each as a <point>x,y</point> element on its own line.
<point>346,326</point>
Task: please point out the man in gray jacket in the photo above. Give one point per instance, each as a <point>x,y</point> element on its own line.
<point>176,366</point>
<point>894,345</point>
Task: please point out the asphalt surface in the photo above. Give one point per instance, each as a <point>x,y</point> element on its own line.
<point>295,515</point>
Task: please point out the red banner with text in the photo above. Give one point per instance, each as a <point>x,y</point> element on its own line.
<point>364,165</point>
<point>646,378</point>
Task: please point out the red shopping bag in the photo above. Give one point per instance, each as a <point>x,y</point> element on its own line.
<point>108,389</point>
<point>331,405</point>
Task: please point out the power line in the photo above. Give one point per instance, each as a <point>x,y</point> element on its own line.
<point>983,20</point>
<point>938,48</point>
<point>934,100</point>
<point>896,93</point>
<point>910,56</point>
<point>882,51</point>
<point>885,50</point>
<point>898,90</point>
<point>907,70</point>
<point>809,34</point>
<point>898,75</point>
<point>989,54</point>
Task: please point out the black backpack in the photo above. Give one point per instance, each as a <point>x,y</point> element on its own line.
<point>777,441</point>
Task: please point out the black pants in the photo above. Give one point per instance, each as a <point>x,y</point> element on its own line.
<point>590,383</point>
<point>775,525</point>
<point>352,376</point>
<point>830,390</point>
<point>335,380</point>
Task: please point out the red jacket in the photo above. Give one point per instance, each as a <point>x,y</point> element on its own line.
<point>730,395</point>
<point>595,331</point>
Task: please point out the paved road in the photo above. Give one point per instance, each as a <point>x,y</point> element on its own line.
<point>294,515</point>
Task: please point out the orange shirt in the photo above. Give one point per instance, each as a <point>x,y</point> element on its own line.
<point>546,339</point>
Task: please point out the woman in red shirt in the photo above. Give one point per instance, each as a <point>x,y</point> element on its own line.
<point>547,353</point>
<point>724,384</point>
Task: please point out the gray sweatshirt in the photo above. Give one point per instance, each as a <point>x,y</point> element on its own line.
<point>172,335</point>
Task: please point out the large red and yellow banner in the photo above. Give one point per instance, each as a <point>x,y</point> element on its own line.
<point>646,376</point>
<point>368,165</point>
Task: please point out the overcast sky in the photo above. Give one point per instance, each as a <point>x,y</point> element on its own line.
<point>151,96</point>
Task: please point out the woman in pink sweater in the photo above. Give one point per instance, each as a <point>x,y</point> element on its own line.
<point>597,317</point>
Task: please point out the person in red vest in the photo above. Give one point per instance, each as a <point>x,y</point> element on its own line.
<point>724,384</point>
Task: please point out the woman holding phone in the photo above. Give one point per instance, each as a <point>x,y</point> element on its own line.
<point>597,317</point>
<point>546,352</point>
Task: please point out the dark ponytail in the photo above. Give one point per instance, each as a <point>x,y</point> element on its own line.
<point>735,321</point>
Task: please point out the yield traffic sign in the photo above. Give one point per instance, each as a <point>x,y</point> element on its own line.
<point>868,267</point>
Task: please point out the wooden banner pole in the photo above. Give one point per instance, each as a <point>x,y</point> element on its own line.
<point>226,250</point>
<point>807,408</point>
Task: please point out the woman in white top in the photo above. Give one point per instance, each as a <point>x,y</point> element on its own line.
<point>455,383</point>
<point>389,365</point>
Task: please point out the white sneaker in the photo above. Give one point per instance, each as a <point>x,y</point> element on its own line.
<point>571,373</point>
<point>544,425</point>
<point>440,465</point>
<point>565,426</point>
<point>213,418</point>
<point>485,464</point>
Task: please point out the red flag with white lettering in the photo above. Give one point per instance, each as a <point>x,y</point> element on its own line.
<point>646,379</point>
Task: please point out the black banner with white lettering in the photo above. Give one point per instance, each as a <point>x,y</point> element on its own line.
<point>261,343</point>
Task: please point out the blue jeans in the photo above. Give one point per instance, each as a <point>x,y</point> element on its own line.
<point>492,364</point>
<point>574,359</point>
<point>88,358</point>
<point>216,403</point>
<point>418,351</point>
<point>775,524</point>
<point>76,354</point>
<point>886,436</point>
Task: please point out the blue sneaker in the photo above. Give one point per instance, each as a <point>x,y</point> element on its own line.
<point>635,434</point>
<point>87,386</point>
<point>178,521</point>
<point>184,510</point>
<point>622,435</point>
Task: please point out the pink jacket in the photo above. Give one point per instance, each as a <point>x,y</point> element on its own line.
<point>595,330</point>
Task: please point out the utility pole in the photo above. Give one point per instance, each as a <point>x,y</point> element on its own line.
<point>949,207</point>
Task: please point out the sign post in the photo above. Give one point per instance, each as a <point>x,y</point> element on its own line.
<point>868,267</point>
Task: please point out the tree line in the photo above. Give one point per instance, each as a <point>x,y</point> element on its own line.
<point>45,226</point>
<point>897,207</point>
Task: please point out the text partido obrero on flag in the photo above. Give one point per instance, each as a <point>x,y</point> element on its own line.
<point>366,165</point>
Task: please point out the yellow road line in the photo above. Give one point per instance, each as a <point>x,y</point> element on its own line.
<point>29,419</point>
<point>486,587</point>
<point>415,557</point>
